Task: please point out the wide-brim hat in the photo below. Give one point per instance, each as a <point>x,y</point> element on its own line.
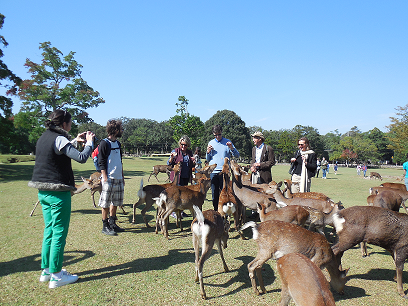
<point>258,134</point>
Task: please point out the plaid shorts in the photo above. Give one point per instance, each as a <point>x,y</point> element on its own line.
<point>112,193</point>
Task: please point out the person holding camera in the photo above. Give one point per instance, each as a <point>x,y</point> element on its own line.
<point>54,179</point>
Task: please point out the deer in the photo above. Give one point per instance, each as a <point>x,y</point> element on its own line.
<point>161,169</point>
<point>309,195</point>
<point>147,194</point>
<point>296,270</point>
<point>402,193</point>
<point>278,238</point>
<point>375,175</point>
<point>93,184</point>
<point>205,172</point>
<point>227,204</point>
<point>395,186</point>
<point>292,214</point>
<point>325,206</point>
<point>382,227</point>
<point>180,198</point>
<point>247,197</point>
<point>209,228</point>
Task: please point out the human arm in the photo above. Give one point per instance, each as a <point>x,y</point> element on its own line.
<point>63,146</point>
<point>172,158</point>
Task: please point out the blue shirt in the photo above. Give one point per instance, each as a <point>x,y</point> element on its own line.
<point>405,167</point>
<point>219,152</point>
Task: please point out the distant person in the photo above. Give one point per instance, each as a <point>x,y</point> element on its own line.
<point>184,155</point>
<point>263,158</point>
<point>305,163</point>
<point>364,168</point>
<point>318,167</point>
<point>358,169</point>
<point>217,150</point>
<point>335,168</point>
<point>328,168</point>
<point>54,179</point>
<point>405,167</point>
<point>197,159</point>
<point>113,180</point>
<point>324,165</point>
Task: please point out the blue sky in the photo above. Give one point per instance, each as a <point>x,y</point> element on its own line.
<point>326,64</point>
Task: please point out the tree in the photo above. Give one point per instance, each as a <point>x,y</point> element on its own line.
<point>12,81</point>
<point>185,124</point>
<point>56,83</point>
<point>233,128</point>
<point>398,134</point>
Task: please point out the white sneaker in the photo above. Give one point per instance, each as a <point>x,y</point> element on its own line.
<point>45,277</point>
<point>66,278</point>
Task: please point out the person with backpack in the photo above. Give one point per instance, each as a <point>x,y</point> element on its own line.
<point>305,165</point>
<point>110,163</point>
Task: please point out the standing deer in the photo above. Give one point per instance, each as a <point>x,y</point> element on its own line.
<point>402,193</point>
<point>161,169</point>
<point>277,238</point>
<point>375,225</point>
<point>292,214</point>
<point>208,228</point>
<point>295,271</point>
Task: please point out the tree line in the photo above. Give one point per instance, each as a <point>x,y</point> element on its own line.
<point>56,83</point>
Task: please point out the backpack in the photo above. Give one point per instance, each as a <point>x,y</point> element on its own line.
<point>95,159</point>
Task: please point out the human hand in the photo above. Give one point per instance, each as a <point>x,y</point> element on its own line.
<point>209,148</point>
<point>229,144</point>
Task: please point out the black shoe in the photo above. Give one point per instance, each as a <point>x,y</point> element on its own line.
<point>108,231</point>
<point>113,226</point>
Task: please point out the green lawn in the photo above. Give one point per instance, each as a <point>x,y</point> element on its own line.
<point>138,267</point>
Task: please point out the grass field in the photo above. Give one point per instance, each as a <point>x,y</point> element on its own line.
<point>138,267</point>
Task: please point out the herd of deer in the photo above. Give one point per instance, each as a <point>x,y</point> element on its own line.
<point>286,231</point>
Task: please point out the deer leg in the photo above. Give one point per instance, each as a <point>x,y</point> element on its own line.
<point>222,256</point>
<point>363,247</point>
<point>403,205</point>
<point>207,247</point>
<point>35,206</point>
<point>123,210</point>
<point>197,255</point>
<point>93,197</point>
<point>399,269</point>
<point>285,295</point>
<point>256,265</point>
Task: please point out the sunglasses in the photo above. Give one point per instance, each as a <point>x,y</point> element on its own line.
<point>301,144</point>
<point>183,144</point>
<point>216,135</point>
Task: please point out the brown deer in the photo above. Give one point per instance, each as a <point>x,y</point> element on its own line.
<point>375,225</point>
<point>277,238</point>
<point>309,195</point>
<point>180,198</point>
<point>395,186</point>
<point>294,214</point>
<point>247,197</point>
<point>227,204</point>
<point>208,228</point>
<point>161,169</point>
<point>148,193</point>
<point>205,172</point>
<point>296,270</point>
<point>402,193</point>
<point>375,175</point>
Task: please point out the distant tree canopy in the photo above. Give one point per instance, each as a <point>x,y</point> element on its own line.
<point>398,134</point>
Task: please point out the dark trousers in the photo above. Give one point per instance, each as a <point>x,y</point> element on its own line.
<point>216,186</point>
<point>184,181</point>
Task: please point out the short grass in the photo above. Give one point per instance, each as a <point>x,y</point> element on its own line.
<point>138,267</point>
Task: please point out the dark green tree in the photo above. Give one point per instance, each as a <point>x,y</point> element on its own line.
<point>233,128</point>
<point>185,124</point>
<point>398,134</point>
<point>56,83</point>
<point>9,81</point>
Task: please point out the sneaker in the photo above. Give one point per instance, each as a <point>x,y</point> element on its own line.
<point>108,231</point>
<point>66,278</point>
<point>45,277</point>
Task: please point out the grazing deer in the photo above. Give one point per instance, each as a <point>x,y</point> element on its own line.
<point>148,193</point>
<point>277,238</point>
<point>93,184</point>
<point>180,198</point>
<point>375,175</point>
<point>208,228</point>
<point>309,195</point>
<point>395,186</point>
<point>375,225</point>
<point>294,214</point>
<point>161,169</point>
<point>227,204</point>
<point>295,271</point>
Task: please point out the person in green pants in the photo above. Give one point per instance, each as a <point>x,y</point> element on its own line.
<point>54,179</point>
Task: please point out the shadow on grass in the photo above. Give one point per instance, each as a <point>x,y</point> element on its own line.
<point>174,257</point>
<point>16,172</point>
<point>33,262</point>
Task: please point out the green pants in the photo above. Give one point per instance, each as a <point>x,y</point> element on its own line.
<point>56,207</point>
